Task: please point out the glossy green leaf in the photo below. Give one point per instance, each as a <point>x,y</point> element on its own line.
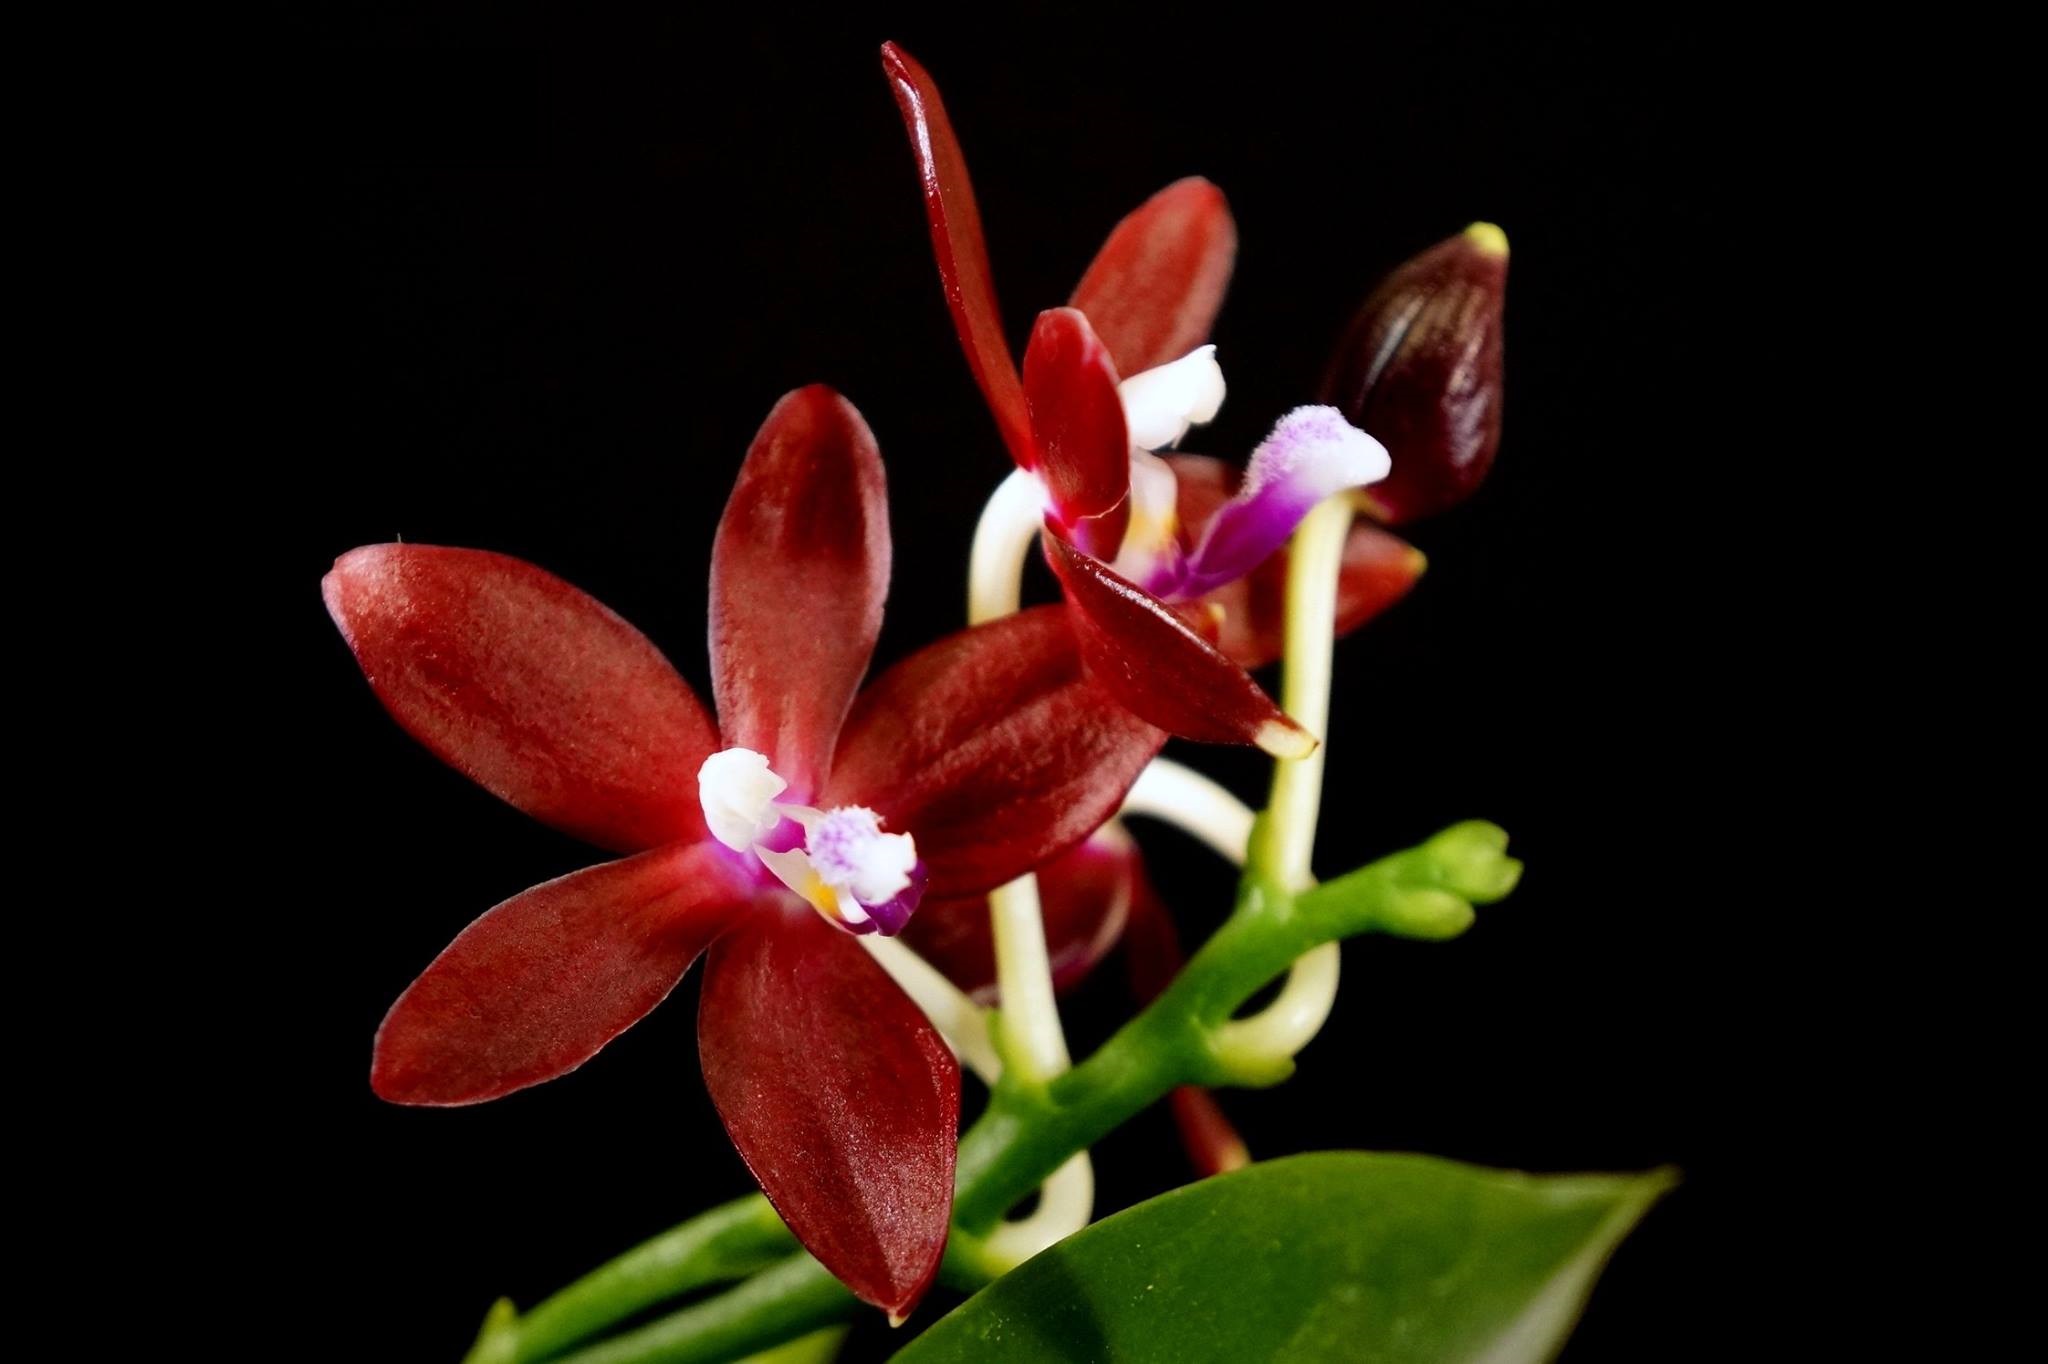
<point>1339,1256</point>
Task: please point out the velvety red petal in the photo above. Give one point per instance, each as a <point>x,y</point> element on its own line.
<point>798,575</point>
<point>1251,614</point>
<point>1152,956</point>
<point>993,748</point>
<point>1084,895</point>
<point>1154,288</point>
<point>957,242</point>
<point>544,697</point>
<point>1077,419</point>
<point>1152,661</point>
<point>840,1097</point>
<point>537,985</point>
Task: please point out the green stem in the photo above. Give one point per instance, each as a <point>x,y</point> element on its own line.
<point>729,1242</point>
<point>1029,1129</point>
<point>780,1303</point>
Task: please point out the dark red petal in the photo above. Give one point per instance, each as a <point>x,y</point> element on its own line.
<point>544,697</point>
<point>957,242</point>
<point>1379,568</point>
<point>533,988</point>
<point>1152,956</point>
<point>1077,420</point>
<point>993,749</point>
<point>1155,286</point>
<point>840,1097</point>
<point>1420,369</point>
<point>1147,657</point>
<point>1210,1139</point>
<point>798,575</point>
<point>1084,895</point>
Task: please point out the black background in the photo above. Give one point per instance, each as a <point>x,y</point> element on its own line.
<point>537,297</point>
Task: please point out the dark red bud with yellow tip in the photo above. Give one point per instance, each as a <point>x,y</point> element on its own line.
<point>1420,370</point>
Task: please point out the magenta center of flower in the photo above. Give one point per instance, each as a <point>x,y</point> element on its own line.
<point>852,871</point>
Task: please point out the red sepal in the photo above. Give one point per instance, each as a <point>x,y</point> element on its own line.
<point>1154,663</point>
<point>798,575</point>
<point>1077,419</point>
<point>1154,288</point>
<point>993,748</point>
<point>841,1099</point>
<point>529,686</point>
<point>536,986</point>
<point>957,242</point>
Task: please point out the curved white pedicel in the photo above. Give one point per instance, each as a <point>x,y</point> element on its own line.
<point>1161,404</point>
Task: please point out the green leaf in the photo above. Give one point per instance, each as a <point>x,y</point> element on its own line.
<point>1337,1256</point>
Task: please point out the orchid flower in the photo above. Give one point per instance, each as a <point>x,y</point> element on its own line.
<point>1118,540</point>
<point>764,842</point>
<point>1422,362</point>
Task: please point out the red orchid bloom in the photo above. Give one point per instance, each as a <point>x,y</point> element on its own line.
<point>1419,367</point>
<point>805,815</point>
<point>1153,554</point>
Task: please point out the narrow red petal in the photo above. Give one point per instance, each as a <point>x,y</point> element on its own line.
<point>1379,569</point>
<point>1150,660</point>
<point>532,688</point>
<point>1077,419</point>
<point>1152,956</point>
<point>537,985</point>
<point>957,242</point>
<point>841,1099</point>
<point>1084,894</point>
<point>1154,288</point>
<point>798,575</point>
<point>993,749</point>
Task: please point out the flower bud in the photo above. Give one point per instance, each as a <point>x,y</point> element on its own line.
<point>1432,915</point>
<point>1420,371</point>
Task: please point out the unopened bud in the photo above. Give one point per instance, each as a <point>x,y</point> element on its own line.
<point>1433,915</point>
<point>1420,371</point>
